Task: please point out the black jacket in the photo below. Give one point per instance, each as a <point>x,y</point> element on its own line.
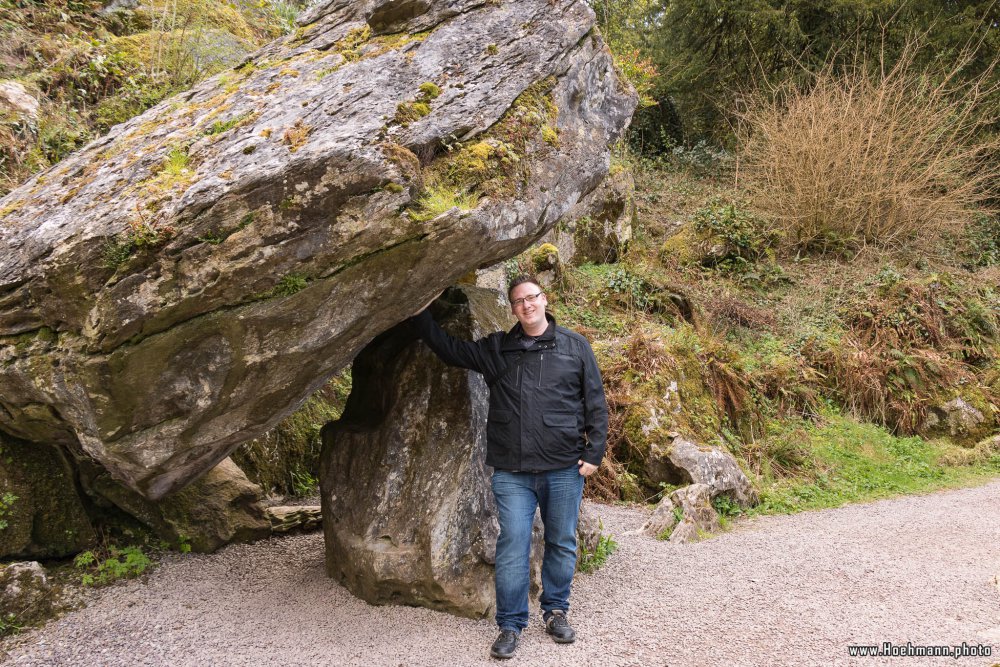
<point>548,411</point>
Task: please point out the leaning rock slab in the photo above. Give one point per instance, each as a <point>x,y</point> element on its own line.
<point>408,514</point>
<point>687,461</point>
<point>180,285</point>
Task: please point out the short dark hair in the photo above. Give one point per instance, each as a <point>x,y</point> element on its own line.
<point>520,280</point>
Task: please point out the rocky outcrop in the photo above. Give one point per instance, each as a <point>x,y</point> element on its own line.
<point>698,515</point>
<point>180,285</point>
<point>408,514</point>
<point>41,513</point>
<point>599,227</point>
<point>220,507</point>
<point>684,461</point>
<point>26,595</point>
<point>956,419</point>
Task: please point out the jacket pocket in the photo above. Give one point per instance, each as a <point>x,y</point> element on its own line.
<point>563,431</point>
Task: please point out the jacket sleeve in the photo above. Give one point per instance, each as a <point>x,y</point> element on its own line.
<point>595,420</point>
<point>451,350</point>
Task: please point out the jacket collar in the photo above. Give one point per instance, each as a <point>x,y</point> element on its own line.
<point>512,341</point>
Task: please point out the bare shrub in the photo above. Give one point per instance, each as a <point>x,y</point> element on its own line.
<point>872,156</point>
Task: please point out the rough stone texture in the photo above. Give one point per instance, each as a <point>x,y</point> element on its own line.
<point>263,230</point>
<point>686,461</point>
<point>219,508</point>
<point>17,103</point>
<point>699,517</point>
<point>286,518</point>
<point>25,593</point>
<point>46,518</point>
<point>408,514</point>
<point>600,225</point>
<point>662,520</point>
<point>957,419</point>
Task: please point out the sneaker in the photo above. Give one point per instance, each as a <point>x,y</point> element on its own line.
<point>559,628</point>
<point>504,645</point>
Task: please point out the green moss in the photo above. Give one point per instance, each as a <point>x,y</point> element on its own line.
<point>440,199</point>
<point>550,135</point>
<point>492,49</point>
<point>430,90</point>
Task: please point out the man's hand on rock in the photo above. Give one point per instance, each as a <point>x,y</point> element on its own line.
<point>426,305</point>
<point>586,469</point>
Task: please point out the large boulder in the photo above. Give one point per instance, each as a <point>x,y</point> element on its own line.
<point>684,462</point>
<point>408,514</point>
<point>180,285</point>
<point>41,514</point>
<point>220,507</point>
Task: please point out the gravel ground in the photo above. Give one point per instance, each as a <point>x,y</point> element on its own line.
<point>783,590</point>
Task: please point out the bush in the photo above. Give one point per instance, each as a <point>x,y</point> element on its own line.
<point>859,158</point>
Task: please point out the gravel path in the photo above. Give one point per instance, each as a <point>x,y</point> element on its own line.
<point>786,590</point>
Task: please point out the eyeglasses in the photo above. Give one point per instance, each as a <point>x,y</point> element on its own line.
<point>530,298</point>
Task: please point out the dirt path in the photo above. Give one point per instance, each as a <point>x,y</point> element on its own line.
<point>789,590</point>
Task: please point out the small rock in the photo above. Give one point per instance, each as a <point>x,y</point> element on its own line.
<point>15,98</point>
<point>700,518</point>
<point>663,519</point>
<point>25,593</point>
<point>287,518</point>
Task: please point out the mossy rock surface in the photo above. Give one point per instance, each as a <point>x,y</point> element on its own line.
<point>46,519</point>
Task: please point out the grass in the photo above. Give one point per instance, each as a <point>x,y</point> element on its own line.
<point>590,561</point>
<point>845,461</point>
<point>438,199</point>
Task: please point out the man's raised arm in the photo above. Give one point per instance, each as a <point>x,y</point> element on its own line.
<point>452,351</point>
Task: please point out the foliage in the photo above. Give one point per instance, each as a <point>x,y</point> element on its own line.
<point>591,561</point>
<point>111,564</point>
<point>710,54</point>
<point>285,460</point>
<point>855,159</point>
<point>857,462</point>
<point>139,235</point>
<point>438,199</point>
<point>9,624</point>
<point>7,501</point>
<point>983,240</point>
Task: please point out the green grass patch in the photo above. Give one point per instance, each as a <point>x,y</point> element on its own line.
<point>439,199</point>
<point>592,560</point>
<point>849,461</point>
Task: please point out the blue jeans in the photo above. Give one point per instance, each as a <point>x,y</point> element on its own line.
<point>557,493</point>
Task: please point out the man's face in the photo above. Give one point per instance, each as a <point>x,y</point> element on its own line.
<point>531,315</point>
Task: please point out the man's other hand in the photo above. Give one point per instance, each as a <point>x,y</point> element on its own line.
<point>586,469</point>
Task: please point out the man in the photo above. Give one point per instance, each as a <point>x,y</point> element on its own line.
<point>545,433</point>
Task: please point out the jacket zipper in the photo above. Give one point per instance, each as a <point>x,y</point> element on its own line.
<point>541,366</point>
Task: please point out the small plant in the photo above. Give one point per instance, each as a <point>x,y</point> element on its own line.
<point>295,136</point>
<point>303,483</point>
<point>744,237</point>
<point>439,199</point>
<point>111,564</point>
<point>289,285</point>
<point>983,238</point>
<point>590,561</point>
<point>636,290</point>
<point>6,502</point>
<point>9,624</point>
<point>140,234</point>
